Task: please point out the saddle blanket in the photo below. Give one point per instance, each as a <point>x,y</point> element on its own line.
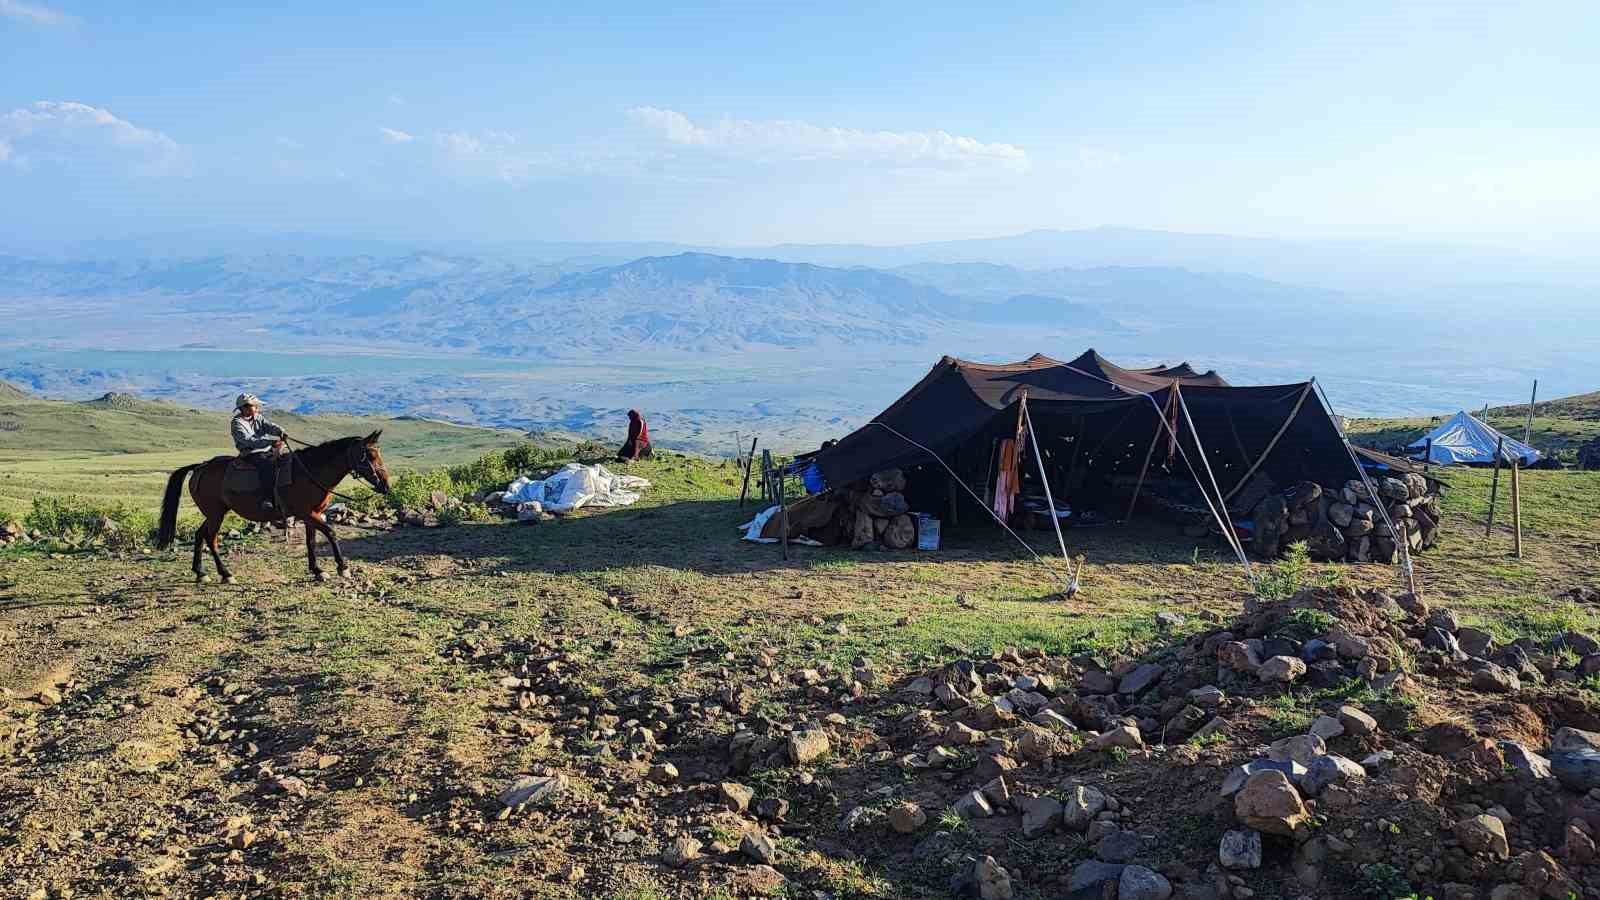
<point>241,476</point>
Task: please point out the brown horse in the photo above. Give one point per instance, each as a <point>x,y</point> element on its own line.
<point>317,471</point>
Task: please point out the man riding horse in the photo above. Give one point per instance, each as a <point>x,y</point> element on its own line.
<point>260,442</point>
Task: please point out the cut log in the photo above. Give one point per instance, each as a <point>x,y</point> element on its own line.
<point>900,533</point>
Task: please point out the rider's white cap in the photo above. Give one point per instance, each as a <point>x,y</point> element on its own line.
<point>246,400</point>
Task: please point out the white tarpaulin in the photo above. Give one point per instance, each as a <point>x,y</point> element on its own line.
<point>1466,439</point>
<point>577,486</point>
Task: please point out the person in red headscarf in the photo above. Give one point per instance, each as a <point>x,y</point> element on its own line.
<point>638,443</point>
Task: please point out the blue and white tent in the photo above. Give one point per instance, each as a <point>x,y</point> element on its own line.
<point>1468,441</point>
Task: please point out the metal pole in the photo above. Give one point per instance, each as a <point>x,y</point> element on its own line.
<point>748,465</point>
<point>783,514</point>
<point>1048,499</point>
<point>1527,430</point>
<point>1494,487</point>
<point>1427,455</point>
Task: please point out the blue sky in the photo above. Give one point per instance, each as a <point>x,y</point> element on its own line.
<point>734,124</point>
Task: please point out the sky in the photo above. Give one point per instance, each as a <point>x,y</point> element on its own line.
<point>744,124</point>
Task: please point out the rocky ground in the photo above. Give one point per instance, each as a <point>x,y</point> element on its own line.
<point>502,711</point>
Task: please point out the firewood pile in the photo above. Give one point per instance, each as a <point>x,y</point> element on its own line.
<point>877,514</point>
<point>1346,524</point>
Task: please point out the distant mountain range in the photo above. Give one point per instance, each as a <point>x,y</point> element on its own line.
<point>1405,267</point>
<point>570,336</point>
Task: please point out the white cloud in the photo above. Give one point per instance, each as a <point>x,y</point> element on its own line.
<point>33,13</point>
<point>783,140</point>
<point>60,131</point>
<point>392,136</point>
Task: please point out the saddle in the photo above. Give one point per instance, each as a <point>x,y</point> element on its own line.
<point>241,477</point>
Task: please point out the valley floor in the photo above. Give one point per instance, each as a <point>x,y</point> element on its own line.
<point>277,737</point>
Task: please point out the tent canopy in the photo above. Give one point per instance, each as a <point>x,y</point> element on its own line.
<point>1468,440</point>
<point>1282,430</point>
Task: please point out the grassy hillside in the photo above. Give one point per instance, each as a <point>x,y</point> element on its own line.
<point>123,446</point>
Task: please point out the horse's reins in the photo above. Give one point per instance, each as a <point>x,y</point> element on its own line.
<point>294,460</point>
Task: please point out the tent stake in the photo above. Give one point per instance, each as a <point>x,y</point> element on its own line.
<point>1494,486</point>
<point>1048,499</point>
<point>1516,508</point>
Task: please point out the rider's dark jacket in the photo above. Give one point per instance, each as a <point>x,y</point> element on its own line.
<point>255,435</point>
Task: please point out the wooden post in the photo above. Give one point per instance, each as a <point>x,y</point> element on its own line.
<point>1527,430</point>
<point>783,514</point>
<point>749,464</point>
<point>1427,455</point>
<point>1516,507</point>
<point>1494,487</point>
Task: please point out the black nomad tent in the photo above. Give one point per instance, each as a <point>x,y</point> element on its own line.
<point>1107,438</point>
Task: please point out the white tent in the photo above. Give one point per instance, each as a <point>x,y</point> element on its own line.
<point>1464,439</point>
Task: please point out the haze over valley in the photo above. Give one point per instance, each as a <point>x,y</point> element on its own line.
<point>795,342</point>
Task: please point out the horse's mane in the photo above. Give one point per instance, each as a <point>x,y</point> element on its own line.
<point>327,450</point>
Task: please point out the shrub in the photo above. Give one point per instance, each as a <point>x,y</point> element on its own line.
<point>414,490</point>
<point>458,513</point>
<point>1283,579</point>
<point>65,517</point>
<point>78,518</point>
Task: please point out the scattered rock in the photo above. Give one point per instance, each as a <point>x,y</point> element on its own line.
<point>1140,679</point>
<point>663,773</point>
<point>807,745</point>
<point>532,789</point>
<point>758,847</point>
<point>1578,770</point>
<point>1140,883</point>
<point>1093,874</point>
<point>1496,680</point>
<point>1269,803</point>
<point>1125,736</point>
<point>736,797</point>
<point>1080,807</point>
<point>1283,669</point>
<point>1241,849</point>
<point>1483,834</point>
<point>973,805</point>
<point>1040,814</point>
<point>1327,770</point>
<point>906,817</point>
<point>680,852</point>
<point>1327,728</point>
<point>1356,722</point>
<point>1119,846</point>
<point>994,882</point>
<point>1302,748</point>
<point>1574,739</point>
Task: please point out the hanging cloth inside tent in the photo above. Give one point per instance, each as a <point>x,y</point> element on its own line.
<point>1006,484</point>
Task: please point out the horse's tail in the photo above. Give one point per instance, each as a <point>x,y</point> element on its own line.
<point>169,506</point>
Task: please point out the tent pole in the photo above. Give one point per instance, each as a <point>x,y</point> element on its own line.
<point>1427,455</point>
<point>1225,520</point>
<point>1527,430</point>
<point>1271,445</point>
<point>1494,487</point>
<point>1048,498</point>
<point>1148,454</point>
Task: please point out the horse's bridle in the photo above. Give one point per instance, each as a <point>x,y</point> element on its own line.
<point>360,462</point>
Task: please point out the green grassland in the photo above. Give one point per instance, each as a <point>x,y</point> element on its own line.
<point>122,448</point>
<point>658,601</point>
